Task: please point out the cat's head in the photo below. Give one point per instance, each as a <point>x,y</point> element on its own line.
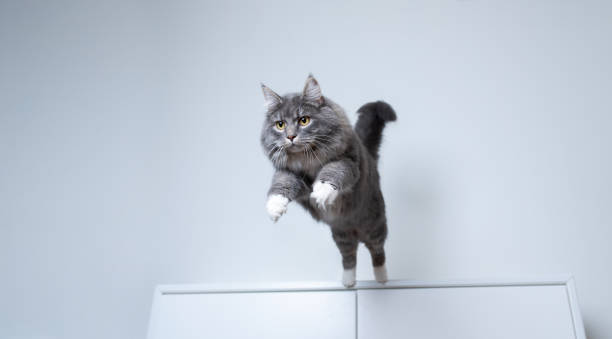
<point>301,126</point>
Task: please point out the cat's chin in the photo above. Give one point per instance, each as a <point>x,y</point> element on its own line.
<point>295,148</point>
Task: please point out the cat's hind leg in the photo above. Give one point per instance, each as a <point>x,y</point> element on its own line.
<point>375,243</point>
<point>347,243</point>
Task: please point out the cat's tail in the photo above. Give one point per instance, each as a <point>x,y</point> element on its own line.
<point>372,119</point>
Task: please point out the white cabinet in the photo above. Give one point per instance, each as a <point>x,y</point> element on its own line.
<point>507,312</point>
<point>399,309</point>
<point>246,315</point>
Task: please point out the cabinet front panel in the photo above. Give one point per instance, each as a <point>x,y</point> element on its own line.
<point>317,314</point>
<point>526,312</point>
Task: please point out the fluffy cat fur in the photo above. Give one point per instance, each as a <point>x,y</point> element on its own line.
<point>329,168</point>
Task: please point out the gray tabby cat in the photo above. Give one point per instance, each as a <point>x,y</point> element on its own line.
<point>329,168</point>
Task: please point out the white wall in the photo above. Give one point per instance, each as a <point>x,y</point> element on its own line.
<point>130,156</point>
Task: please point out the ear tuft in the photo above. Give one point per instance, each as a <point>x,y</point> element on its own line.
<point>272,99</point>
<point>312,91</point>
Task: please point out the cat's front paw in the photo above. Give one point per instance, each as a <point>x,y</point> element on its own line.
<point>323,194</point>
<point>276,206</point>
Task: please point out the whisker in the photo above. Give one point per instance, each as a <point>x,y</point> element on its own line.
<point>315,154</point>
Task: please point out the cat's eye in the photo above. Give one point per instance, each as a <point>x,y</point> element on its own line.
<point>305,120</point>
<point>280,125</point>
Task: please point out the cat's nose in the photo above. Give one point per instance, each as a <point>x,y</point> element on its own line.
<point>291,137</point>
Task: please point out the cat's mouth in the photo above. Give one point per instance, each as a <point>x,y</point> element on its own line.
<point>294,148</point>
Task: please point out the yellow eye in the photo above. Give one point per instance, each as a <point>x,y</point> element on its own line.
<point>305,120</point>
<point>280,125</point>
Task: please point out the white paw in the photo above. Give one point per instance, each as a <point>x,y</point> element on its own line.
<point>380,274</point>
<point>348,277</point>
<point>323,194</point>
<point>276,206</point>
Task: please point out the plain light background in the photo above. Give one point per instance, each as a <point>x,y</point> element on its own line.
<point>130,155</point>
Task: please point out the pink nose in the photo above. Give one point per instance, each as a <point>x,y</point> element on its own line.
<point>291,137</point>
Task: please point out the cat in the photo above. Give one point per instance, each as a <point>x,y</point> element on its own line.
<point>329,168</point>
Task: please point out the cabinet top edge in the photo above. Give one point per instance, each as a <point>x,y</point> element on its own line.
<point>306,286</point>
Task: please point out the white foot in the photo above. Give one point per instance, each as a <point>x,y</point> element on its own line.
<point>380,274</point>
<point>276,206</point>
<point>323,194</point>
<point>348,277</point>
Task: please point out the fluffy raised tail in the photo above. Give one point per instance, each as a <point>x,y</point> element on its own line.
<point>372,119</point>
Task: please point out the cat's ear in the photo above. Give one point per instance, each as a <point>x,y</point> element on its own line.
<point>272,99</point>
<point>312,91</point>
